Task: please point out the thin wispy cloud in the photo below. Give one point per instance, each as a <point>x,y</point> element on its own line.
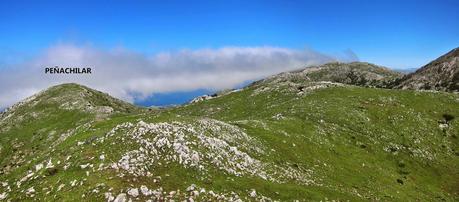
<point>130,75</point>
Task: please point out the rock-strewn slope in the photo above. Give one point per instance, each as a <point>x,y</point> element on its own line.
<point>440,74</point>
<point>48,118</point>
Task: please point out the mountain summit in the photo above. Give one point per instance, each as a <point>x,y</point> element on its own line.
<point>440,74</point>
<point>69,96</point>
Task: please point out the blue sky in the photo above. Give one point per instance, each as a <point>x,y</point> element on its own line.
<point>393,33</point>
<point>398,34</point>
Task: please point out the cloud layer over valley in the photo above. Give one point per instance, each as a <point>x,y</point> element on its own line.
<point>130,75</point>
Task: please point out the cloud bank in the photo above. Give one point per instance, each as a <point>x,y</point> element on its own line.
<point>130,75</point>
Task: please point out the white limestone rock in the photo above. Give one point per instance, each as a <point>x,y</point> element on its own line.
<point>120,198</point>
<point>134,192</point>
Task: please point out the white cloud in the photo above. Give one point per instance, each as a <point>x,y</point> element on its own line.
<point>130,75</point>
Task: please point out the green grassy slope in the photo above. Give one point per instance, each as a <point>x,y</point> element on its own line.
<point>288,140</point>
<point>369,138</point>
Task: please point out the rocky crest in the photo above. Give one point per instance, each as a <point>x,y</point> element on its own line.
<point>355,73</point>
<point>441,74</point>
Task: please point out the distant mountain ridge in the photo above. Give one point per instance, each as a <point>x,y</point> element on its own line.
<point>441,74</point>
